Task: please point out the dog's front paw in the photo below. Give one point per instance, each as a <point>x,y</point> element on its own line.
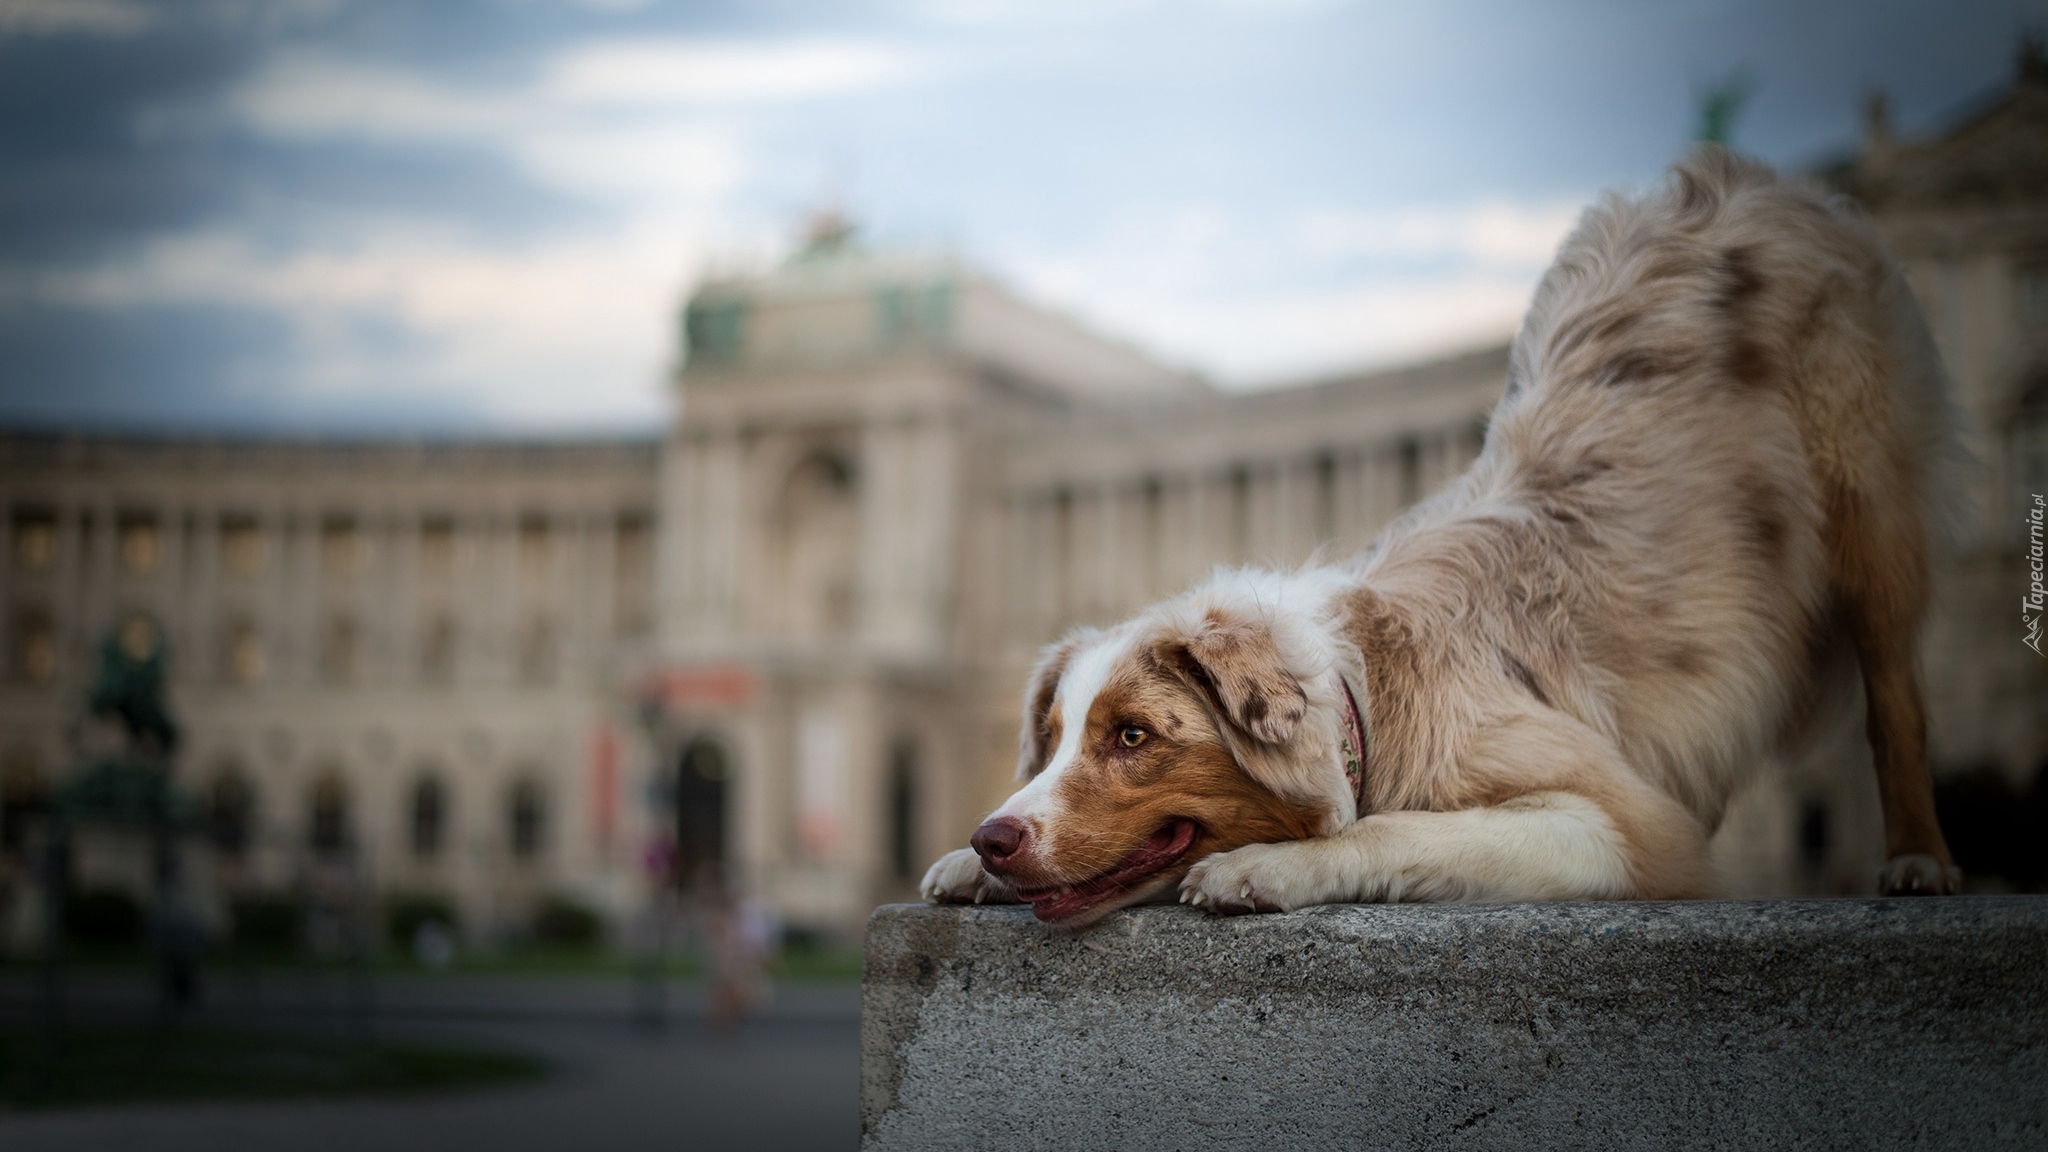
<point>1255,878</point>
<point>1918,875</point>
<point>958,878</point>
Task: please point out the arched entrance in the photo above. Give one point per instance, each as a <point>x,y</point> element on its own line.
<point>702,774</point>
<point>327,830</point>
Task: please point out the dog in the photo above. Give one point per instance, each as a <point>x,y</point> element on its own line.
<point>1706,502</point>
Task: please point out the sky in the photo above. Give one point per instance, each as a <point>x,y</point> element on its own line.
<point>480,217</point>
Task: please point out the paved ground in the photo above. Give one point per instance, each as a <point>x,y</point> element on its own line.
<point>789,1079</point>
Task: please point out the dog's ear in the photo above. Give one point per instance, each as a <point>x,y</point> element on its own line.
<point>1033,744</point>
<point>1235,661</point>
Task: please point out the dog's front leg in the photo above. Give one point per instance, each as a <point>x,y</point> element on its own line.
<point>1587,828</point>
<point>958,878</point>
<point>1540,846</point>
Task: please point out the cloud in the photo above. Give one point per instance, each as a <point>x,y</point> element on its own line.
<point>58,17</point>
<point>574,333</point>
<point>694,73</point>
<point>639,121</point>
<point>569,327</point>
<point>1330,290</point>
<point>1275,339</point>
<point>309,95</point>
<point>1256,339</point>
<point>565,330</point>
<point>1044,12</point>
<point>1493,232</point>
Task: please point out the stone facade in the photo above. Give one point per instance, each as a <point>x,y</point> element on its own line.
<point>395,660</point>
<point>788,639</point>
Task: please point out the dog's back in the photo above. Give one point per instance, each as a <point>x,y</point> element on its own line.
<point>1722,444</point>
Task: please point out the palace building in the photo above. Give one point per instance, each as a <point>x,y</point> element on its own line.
<point>785,641</point>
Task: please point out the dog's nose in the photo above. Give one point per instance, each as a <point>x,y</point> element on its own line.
<point>998,841</point>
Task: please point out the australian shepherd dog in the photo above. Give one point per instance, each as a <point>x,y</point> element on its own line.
<point>1704,506</point>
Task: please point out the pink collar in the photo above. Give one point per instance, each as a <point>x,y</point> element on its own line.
<point>1355,746</point>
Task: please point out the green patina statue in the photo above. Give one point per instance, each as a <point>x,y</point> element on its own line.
<point>130,782</point>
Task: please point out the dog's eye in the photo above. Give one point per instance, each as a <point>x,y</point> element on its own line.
<point>1131,736</point>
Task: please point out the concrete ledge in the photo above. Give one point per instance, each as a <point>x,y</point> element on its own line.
<point>1811,1023</point>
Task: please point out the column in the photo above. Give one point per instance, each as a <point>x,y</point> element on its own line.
<point>407,624</point>
<point>203,657</point>
<point>602,581</point>
<point>884,510</point>
<point>1014,568</point>
<point>102,561</point>
<point>718,538</point>
<point>69,601</point>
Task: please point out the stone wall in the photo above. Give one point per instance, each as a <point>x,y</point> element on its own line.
<point>1811,1023</point>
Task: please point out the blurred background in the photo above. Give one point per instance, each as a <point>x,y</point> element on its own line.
<point>522,521</point>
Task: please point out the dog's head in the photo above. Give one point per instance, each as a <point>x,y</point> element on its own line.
<point>1204,725</point>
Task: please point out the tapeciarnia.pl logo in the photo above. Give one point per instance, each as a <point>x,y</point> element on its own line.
<point>2031,605</point>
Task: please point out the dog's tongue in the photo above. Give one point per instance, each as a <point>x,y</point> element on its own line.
<point>1165,840</point>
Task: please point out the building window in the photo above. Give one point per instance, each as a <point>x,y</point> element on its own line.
<point>35,646</point>
<point>327,832</point>
<point>140,545</point>
<point>437,651</point>
<point>528,820</point>
<point>429,815</point>
<point>231,811</point>
<point>1408,455</point>
<point>1240,512</point>
<point>1324,513</point>
<point>903,858</point>
<point>534,548</point>
<point>244,653</point>
<point>340,655</point>
<point>141,639</point>
<point>341,549</point>
<point>818,526</point>
<point>633,574</point>
<point>243,551</point>
<point>437,549</point>
<point>24,796</point>
<point>35,541</point>
<point>537,651</point>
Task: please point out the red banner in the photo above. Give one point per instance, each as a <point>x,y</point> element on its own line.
<point>724,685</point>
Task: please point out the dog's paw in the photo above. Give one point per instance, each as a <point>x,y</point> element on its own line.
<point>1918,875</point>
<point>958,879</point>
<point>1255,878</point>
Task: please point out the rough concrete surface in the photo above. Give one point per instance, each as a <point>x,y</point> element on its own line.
<point>1788,1024</point>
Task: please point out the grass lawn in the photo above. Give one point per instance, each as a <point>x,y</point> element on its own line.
<point>125,1065</point>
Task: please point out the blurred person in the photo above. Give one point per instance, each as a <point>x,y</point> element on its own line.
<point>742,939</point>
<point>659,863</point>
<point>433,945</point>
